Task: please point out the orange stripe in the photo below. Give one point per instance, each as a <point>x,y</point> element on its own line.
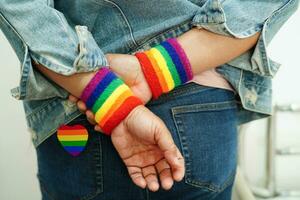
<point>72,132</point>
<point>116,105</point>
<point>158,72</point>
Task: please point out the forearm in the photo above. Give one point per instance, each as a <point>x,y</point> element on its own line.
<point>206,50</point>
<point>74,84</point>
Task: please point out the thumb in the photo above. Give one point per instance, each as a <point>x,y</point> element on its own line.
<point>171,152</point>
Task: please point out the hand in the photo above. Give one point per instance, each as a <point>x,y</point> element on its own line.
<point>128,68</point>
<point>146,147</point>
<point>148,150</point>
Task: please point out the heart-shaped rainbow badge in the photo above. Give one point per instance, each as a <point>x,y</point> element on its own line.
<point>73,138</point>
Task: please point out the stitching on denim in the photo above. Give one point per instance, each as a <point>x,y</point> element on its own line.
<point>193,108</point>
<point>97,158</point>
<point>212,187</point>
<point>254,83</point>
<point>147,194</point>
<point>185,152</point>
<point>188,161</point>
<point>92,196</point>
<point>199,184</point>
<point>101,161</point>
<point>41,108</point>
<point>151,39</point>
<point>125,19</point>
<point>28,71</point>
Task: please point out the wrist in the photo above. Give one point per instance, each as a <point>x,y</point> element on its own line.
<point>109,98</point>
<point>165,66</point>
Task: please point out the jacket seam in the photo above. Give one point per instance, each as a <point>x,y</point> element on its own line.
<point>156,36</point>
<point>22,93</point>
<point>125,19</point>
<point>52,131</point>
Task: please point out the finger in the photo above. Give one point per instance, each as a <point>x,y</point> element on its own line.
<point>165,174</point>
<point>109,57</point>
<point>73,98</point>
<point>81,106</point>
<point>136,175</point>
<point>150,175</point>
<point>172,154</point>
<point>90,117</point>
<point>176,161</point>
<point>97,128</point>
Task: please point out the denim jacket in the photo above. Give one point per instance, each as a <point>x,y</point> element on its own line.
<point>71,37</point>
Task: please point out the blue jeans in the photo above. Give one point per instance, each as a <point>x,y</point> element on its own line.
<point>203,123</point>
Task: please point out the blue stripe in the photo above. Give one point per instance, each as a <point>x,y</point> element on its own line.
<point>176,60</point>
<point>74,148</point>
<point>100,88</point>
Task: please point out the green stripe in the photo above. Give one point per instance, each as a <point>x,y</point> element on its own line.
<point>170,64</point>
<point>73,143</point>
<point>106,93</point>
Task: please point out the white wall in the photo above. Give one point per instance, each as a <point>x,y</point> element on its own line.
<point>18,158</point>
<point>17,155</point>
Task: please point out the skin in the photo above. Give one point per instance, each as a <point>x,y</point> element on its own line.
<point>204,49</point>
<point>142,139</point>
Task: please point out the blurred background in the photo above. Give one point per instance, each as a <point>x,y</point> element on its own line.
<point>18,166</point>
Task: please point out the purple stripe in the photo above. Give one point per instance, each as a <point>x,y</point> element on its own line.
<point>184,59</point>
<point>88,90</point>
<point>75,153</point>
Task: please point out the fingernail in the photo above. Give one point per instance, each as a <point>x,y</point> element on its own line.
<point>153,186</point>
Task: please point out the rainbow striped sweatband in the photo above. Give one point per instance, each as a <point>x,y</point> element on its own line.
<point>165,67</point>
<point>109,98</point>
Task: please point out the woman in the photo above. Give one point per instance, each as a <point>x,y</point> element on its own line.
<point>231,85</point>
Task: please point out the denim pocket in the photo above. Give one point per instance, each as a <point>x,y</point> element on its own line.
<point>63,176</point>
<point>207,135</point>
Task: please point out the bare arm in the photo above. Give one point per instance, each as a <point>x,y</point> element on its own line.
<point>207,50</point>
<point>74,84</point>
<point>204,49</point>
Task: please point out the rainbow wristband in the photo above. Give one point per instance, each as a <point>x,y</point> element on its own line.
<point>109,98</point>
<point>165,67</point>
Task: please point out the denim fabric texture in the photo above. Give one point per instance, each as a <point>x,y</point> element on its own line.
<point>209,150</point>
<point>71,37</point>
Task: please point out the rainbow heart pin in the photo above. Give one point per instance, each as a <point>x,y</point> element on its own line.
<point>73,138</point>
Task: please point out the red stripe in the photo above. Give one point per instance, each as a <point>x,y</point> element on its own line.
<point>72,132</point>
<point>121,113</point>
<point>149,74</point>
<point>72,127</point>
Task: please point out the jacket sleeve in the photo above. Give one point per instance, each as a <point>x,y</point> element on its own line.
<point>240,19</point>
<point>38,32</point>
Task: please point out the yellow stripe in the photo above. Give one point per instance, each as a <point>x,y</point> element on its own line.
<point>117,104</point>
<point>72,137</point>
<point>164,68</point>
<point>110,102</point>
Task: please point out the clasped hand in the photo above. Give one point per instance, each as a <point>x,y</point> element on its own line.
<point>142,140</point>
